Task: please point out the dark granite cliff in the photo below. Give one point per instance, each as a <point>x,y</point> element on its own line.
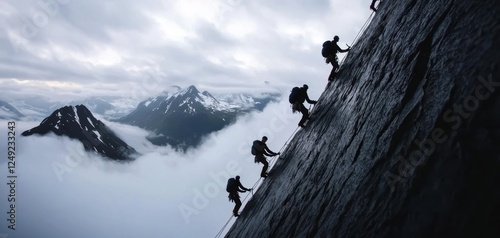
<point>405,143</point>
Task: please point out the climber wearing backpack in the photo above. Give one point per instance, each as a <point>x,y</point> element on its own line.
<point>329,51</point>
<point>372,6</point>
<point>259,149</point>
<point>233,187</point>
<point>297,98</point>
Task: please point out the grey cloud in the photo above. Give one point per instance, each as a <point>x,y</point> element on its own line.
<point>127,28</point>
<point>210,37</point>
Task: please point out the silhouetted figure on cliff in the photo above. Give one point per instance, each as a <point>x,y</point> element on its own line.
<point>329,51</point>
<point>372,6</point>
<point>233,187</point>
<point>260,149</point>
<point>297,98</point>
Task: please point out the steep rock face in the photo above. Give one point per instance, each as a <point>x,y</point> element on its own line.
<point>405,142</point>
<point>79,123</point>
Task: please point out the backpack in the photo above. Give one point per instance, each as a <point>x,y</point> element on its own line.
<point>327,49</point>
<point>294,95</point>
<point>231,185</point>
<point>255,146</point>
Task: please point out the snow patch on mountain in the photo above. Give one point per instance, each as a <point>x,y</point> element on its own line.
<point>79,123</point>
<point>77,119</point>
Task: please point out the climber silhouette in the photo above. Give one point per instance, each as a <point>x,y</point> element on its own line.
<point>297,98</point>
<point>372,6</point>
<point>233,187</point>
<point>259,149</point>
<point>329,51</point>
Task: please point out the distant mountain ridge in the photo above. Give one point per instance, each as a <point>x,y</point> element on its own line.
<point>182,118</point>
<point>8,111</point>
<point>110,107</point>
<point>248,101</point>
<point>177,117</point>
<point>115,107</point>
<point>78,122</point>
<point>95,104</point>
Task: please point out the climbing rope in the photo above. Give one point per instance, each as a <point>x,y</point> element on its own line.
<point>363,28</point>
<point>258,181</point>
<point>273,160</point>
<point>223,228</point>
<point>271,164</point>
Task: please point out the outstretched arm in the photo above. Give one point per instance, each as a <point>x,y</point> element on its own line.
<point>269,152</point>
<point>309,100</point>
<point>241,186</point>
<point>341,50</point>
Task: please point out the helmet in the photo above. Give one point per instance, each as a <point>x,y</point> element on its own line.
<point>264,138</point>
<point>336,38</point>
<point>237,177</point>
<point>305,86</point>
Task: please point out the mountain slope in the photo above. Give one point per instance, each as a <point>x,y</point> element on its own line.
<point>35,107</point>
<point>95,104</point>
<point>110,107</point>
<point>7,111</point>
<point>405,142</point>
<point>79,123</point>
<point>182,118</point>
<point>248,102</point>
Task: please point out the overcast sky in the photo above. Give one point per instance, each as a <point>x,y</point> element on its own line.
<point>73,49</point>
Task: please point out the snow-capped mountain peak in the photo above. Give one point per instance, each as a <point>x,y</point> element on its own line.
<point>183,118</point>
<point>191,90</point>
<point>79,123</point>
<point>189,99</point>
